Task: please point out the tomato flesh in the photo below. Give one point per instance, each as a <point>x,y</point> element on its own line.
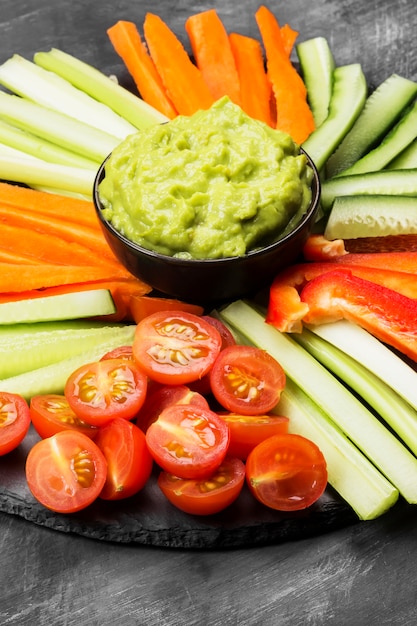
<point>208,496</point>
<point>247,380</point>
<point>66,472</point>
<point>247,431</point>
<point>163,397</point>
<point>101,391</point>
<point>175,347</point>
<point>286,472</point>
<point>122,352</point>
<point>129,462</point>
<point>188,441</point>
<point>51,413</point>
<point>14,421</point>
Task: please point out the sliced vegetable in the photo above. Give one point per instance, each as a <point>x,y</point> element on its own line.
<point>207,496</point>
<point>213,54</point>
<point>188,441</point>
<point>51,413</point>
<point>66,472</point>
<point>142,306</point>
<point>286,472</point>
<point>246,431</point>
<point>128,44</point>
<point>129,462</point>
<point>317,67</point>
<point>164,396</point>
<point>14,421</point>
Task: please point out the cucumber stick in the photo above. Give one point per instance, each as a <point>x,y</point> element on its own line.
<point>394,142</point>
<point>350,473</point>
<point>358,423</point>
<point>373,215</point>
<point>407,159</point>
<point>348,98</point>
<point>383,182</point>
<point>383,108</point>
<point>317,67</point>
<point>89,303</point>
<point>52,378</point>
<point>30,352</point>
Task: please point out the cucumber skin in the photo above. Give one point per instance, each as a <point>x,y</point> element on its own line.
<point>317,67</point>
<point>52,378</point>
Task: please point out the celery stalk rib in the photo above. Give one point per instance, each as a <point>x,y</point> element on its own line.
<point>382,448</point>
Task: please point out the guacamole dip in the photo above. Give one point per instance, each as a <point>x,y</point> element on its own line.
<point>212,185</point>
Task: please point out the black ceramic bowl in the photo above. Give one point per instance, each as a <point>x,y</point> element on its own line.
<point>213,281</point>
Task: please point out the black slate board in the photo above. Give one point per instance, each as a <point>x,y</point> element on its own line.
<point>149,519</point>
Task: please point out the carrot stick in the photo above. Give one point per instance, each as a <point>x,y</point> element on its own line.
<point>69,209</point>
<point>9,256</point>
<point>288,37</point>
<point>128,44</point>
<point>213,54</point>
<point>294,115</point>
<point>255,88</point>
<point>183,81</point>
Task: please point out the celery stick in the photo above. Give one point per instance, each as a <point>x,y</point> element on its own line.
<point>35,172</point>
<point>396,412</point>
<point>29,143</point>
<point>364,429</point>
<point>101,87</point>
<point>35,83</point>
<point>350,473</point>
<point>52,378</point>
<point>372,354</point>
<point>56,127</point>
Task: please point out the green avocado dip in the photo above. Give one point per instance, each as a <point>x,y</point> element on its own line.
<point>212,185</point>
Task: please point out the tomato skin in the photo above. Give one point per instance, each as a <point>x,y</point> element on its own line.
<point>286,472</point>
<point>122,352</point>
<point>66,472</point>
<point>163,397</point>
<point>247,380</point>
<point>129,462</point>
<point>188,441</point>
<point>100,391</point>
<point>175,347</point>
<point>142,306</point>
<point>51,413</point>
<point>247,431</point>
<point>14,421</point>
<point>207,496</point>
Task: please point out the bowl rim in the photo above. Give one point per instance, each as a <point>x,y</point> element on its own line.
<point>258,252</point>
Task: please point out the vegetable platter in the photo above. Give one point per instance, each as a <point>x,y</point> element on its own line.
<point>148,518</point>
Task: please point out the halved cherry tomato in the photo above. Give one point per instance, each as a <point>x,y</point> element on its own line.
<point>122,352</point>
<point>142,306</point>
<point>175,347</point>
<point>188,441</point>
<point>208,496</point>
<point>51,413</point>
<point>100,391</point>
<point>129,462</point>
<point>66,472</point>
<point>247,380</point>
<point>14,421</point>
<point>163,397</point>
<point>286,472</point>
<point>246,431</point>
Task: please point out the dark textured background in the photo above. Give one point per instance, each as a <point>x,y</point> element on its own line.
<point>361,575</point>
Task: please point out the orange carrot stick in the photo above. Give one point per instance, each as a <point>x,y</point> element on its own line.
<point>128,44</point>
<point>288,37</point>
<point>255,88</point>
<point>183,81</point>
<point>213,54</point>
<point>294,115</point>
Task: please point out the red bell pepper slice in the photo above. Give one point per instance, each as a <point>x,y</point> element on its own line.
<point>318,248</point>
<point>387,314</point>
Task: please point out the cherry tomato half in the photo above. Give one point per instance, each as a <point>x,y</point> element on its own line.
<point>175,347</point>
<point>246,431</point>
<point>51,413</point>
<point>208,496</point>
<point>66,472</point>
<point>286,472</point>
<point>122,352</point>
<point>188,441</point>
<point>100,391</point>
<point>247,380</point>
<point>142,306</point>
<point>166,396</point>
<point>129,462</point>
<point>14,421</point>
